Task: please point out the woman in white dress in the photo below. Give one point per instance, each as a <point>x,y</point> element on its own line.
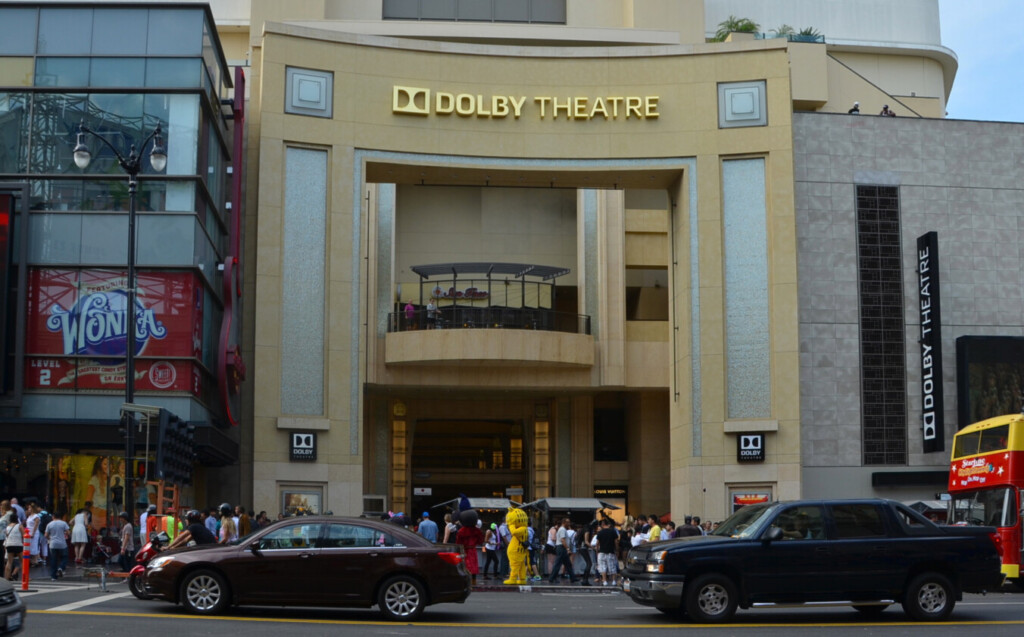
<point>79,534</point>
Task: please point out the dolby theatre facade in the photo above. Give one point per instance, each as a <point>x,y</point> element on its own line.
<point>522,271</point>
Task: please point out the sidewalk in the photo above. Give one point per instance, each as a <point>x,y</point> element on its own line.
<point>495,585</point>
<point>77,573</point>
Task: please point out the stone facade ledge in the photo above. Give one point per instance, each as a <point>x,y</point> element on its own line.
<point>750,426</point>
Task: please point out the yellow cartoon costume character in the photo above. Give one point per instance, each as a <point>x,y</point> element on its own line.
<point>517,549</point>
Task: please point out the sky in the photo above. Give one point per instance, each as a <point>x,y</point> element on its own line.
<point>988,39</point>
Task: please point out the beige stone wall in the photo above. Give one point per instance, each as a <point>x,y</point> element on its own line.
<point>462,224</point>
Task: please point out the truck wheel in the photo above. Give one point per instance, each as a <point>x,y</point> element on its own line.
<point>929,598</point>
<point>711,599</point>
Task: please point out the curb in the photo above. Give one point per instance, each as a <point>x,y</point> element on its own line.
<point>548,588</point>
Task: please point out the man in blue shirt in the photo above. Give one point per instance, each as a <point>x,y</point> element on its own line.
<point>428,528</point>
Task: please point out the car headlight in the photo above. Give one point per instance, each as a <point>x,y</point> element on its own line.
<point>159,562</point>
<point>656,562</point>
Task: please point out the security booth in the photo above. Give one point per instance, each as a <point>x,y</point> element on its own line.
<point>580,511</point>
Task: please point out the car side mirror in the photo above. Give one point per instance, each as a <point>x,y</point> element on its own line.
<point>773,534</point>
<point>254,548</point>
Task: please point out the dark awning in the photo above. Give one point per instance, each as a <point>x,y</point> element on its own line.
<point>501,504</point>
<point>545,272</point>
<point>569,504</point>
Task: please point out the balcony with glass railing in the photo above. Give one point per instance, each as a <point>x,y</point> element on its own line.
<point>486,314</point>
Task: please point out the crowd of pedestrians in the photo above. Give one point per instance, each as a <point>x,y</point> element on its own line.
<point>55,542</point>
<point>588,554</point>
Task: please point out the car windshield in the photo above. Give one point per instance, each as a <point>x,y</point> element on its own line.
<point>989,507</point>
<point>746,522</point>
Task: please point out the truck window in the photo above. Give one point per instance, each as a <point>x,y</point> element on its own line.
<point>858,521</point>
<point>801,523</point>
<point>911,520</point>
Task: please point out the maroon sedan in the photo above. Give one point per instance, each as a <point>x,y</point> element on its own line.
<point>315,561</point>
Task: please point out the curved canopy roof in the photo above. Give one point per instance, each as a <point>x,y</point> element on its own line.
<point>545,272</point>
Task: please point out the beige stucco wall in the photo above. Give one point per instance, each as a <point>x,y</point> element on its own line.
<point>365,72</point>
<point>910,85</point>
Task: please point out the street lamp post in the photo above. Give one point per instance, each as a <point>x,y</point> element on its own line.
<point>132,165</point>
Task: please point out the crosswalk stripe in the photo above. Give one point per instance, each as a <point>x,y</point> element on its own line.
<point>88,602</point>
<point>39,589</point>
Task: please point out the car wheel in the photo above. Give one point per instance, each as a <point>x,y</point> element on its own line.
<point>929,598</point>
<point>204,592</point>
<point>711,599</point>
<point>871,610</point>
<point>136,587</point>
<point>402,598</point>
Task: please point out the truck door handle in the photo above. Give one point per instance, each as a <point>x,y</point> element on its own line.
<point>305,556</point>
<point>821,549</point>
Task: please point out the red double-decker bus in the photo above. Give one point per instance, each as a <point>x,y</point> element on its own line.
<point>986,483</point>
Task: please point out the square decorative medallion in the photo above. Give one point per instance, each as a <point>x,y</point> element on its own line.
<point>309,92</point>
<point>742,104</point>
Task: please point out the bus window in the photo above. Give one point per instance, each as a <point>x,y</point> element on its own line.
<point>994,439</point>
<point>966,444</point>
<point>991,507</point>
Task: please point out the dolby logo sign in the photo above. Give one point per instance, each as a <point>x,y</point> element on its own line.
<point>750,448</point>
<point>303,446</point>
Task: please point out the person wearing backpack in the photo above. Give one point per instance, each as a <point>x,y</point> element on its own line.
<point>491,542</point>
<point>504,538</point>
<point>44,547</point>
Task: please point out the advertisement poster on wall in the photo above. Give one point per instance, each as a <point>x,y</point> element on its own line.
<point>77,479</point>
<point>76,337</point>
<point>97,479</point>
<point>746,498</point>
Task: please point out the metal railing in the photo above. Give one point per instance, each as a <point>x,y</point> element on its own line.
<point>467,317</point>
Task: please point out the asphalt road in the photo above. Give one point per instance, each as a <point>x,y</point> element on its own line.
<point>74,609</point>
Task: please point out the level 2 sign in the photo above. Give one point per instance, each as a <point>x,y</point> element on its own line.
<point>750,448</point>
<point>303,446</point>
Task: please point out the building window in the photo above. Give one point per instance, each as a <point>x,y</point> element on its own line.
<point>526,11</point>
<point>646,294</point>
<point>610,435</point>
<point>882,348</point>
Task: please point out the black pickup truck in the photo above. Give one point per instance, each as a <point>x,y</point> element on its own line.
<point>867,554</point>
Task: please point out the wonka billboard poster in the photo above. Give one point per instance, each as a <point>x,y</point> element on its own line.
<point>77,330</point>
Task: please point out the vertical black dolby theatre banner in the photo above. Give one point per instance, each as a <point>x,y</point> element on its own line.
<point>930,311</point>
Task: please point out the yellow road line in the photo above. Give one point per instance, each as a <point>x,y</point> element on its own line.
<point>353,622</point>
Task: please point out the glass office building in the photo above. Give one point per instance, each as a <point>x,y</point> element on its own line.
<point>121,70</point>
